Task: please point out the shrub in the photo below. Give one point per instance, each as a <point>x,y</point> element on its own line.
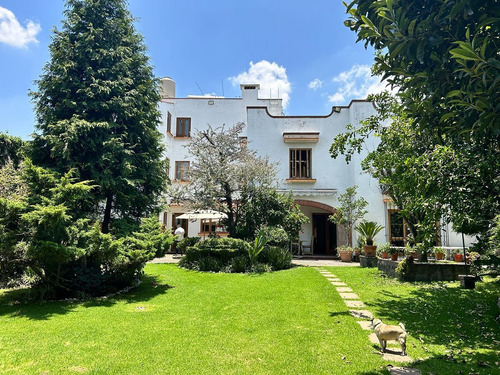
<point>260,268</point>
<point>152,232</point>
<point>46,233</point>
<point>221,249</point>
<point>258,245</point>
<point>187,242</point>
<point>238,264</point>
<point>276,257</point>
<point>209,264</point>
<point>276,236</point>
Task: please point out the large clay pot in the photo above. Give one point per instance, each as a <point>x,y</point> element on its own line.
<point>385,255</point>
<point>346,256</point>
<point>370,251</point>
<point>394,256</point>
<point>439,256</point>
<point>458,257</point>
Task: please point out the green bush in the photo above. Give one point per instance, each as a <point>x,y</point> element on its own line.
<point>276,236</point>
<point>233,255</point>
<point>45,232</point>
<point>260,268</point>
<point>239,264</point>
<point>186,242</point>
<point>276,257</point>
<point>221,249</point>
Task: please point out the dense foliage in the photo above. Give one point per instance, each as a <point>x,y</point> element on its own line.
<point>235,255</point>
<point>46,239</point>
<point>267,208</point>
<point>96,110</point>
<point>429,177</point>
<point>11,149</point>
<point>442,54</point>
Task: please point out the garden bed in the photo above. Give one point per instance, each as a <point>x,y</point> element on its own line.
<point>429,271</point>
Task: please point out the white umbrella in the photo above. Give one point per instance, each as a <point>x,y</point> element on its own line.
<point>203,215</point>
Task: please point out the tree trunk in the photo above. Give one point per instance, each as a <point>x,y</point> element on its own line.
<point>107,214</point>
<point>230,217</point>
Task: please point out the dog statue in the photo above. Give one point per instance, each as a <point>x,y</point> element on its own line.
<point>386,332</point>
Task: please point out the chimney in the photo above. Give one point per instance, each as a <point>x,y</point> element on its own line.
<point>249,92</point>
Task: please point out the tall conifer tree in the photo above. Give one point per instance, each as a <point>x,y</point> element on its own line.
<point>96,108</point>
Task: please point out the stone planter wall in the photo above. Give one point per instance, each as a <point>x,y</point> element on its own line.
<point>425,271</point>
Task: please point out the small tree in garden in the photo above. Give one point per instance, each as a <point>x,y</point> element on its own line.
<point>268,208</point>
<point>225,174</point>
<point>350,211</point>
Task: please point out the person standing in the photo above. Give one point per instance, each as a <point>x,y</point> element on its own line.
<point>179,235</point>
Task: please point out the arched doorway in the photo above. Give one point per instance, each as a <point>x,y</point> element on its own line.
<point>326,235</point>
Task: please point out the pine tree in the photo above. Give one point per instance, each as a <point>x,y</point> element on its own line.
<point>96,108</point>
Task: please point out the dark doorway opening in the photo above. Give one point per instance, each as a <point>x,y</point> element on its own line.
<point>325,235</point>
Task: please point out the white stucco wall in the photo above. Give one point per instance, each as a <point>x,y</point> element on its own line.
<point>264,130</point>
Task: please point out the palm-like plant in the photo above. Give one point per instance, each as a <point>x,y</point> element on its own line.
<point>368,229</point>
<point>259,244</point>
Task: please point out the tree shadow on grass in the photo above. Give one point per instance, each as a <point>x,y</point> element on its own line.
<point>462,320</point>
<point>17,303</point>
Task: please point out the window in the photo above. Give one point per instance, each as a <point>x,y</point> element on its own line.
<point>208,226</point>
<point>182,170</point>
<point>397,228</point>
<point>169,123</point>
<point>300,163</point>
<point>183,127</point>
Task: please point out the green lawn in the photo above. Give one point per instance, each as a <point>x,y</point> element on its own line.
<point>451,330</point>
<point>289,322</point>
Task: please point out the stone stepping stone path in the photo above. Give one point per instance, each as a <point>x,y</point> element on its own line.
<point>353,301</point>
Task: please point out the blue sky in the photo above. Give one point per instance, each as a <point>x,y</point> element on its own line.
<point>300,49</point>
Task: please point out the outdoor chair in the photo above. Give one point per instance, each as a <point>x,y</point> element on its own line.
<point>307,248</point>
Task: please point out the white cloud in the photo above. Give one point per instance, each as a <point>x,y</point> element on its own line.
<point>315,84</point>
<point>271,77</point>
<point>13,33</point>
<point>357,83</point>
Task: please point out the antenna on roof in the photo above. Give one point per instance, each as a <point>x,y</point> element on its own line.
<point>199,88</point>
<point>222,84</point>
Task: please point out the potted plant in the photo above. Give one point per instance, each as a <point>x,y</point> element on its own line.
<point>458,255</point>
<point>383,250</point>
<point>411,251</point>
<point>394,252</point>
<point>368,230</point>
<point>345,253</point>
<point>439,253</point>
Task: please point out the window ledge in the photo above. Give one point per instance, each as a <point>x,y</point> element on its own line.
<point>301,180</point>
<point>181,182</point>
<point>183,137</point>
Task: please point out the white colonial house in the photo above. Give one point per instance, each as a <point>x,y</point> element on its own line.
<point>300,145</point>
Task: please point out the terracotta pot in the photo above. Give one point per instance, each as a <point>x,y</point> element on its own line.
<point>415,255</point>
<point>394,256</point>
<point>385,255</point>
<point>346,256</point>
<point>458,257</point>
<point>370,251</point>
<point>439,256</point>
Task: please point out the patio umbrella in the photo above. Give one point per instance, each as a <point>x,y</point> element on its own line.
<point>203,215</point>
